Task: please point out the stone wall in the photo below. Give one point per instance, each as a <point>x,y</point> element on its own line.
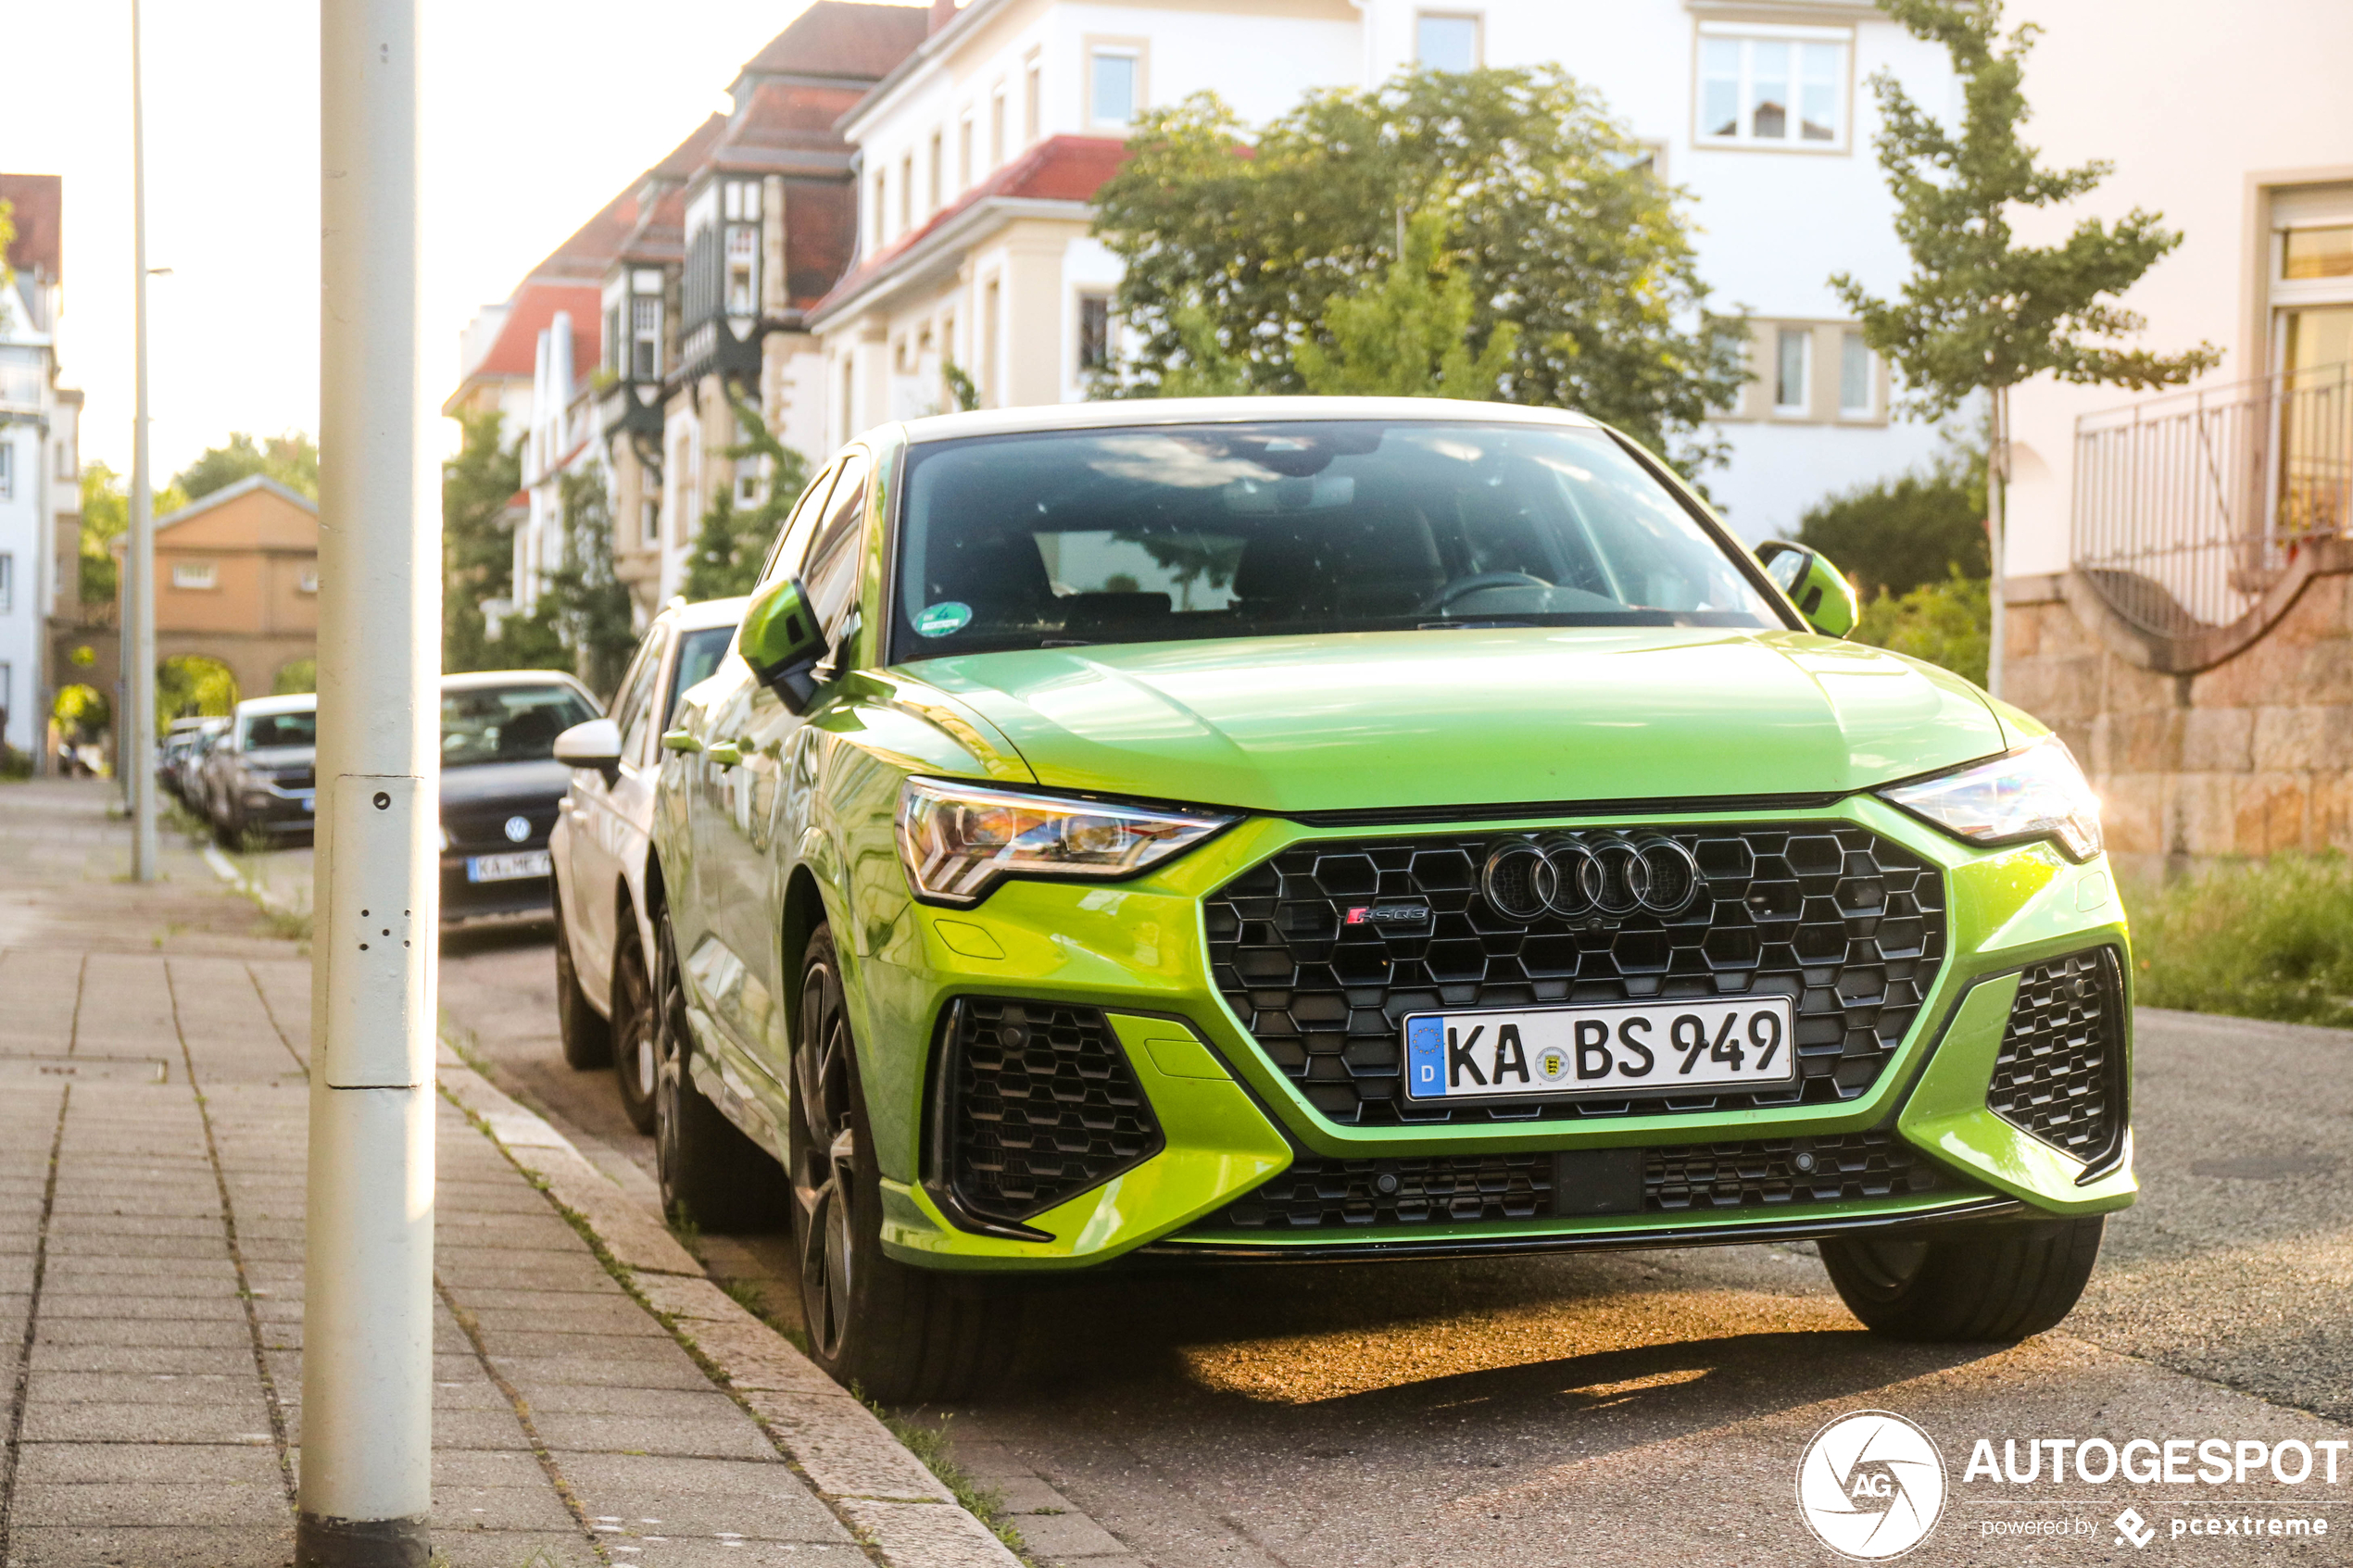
<point>2249,756</point>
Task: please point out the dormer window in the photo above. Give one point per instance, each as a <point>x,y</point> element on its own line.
<point>740,205</point>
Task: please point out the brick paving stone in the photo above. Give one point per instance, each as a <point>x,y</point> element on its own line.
<point>732,1437</point>
<point>70,1464</point>
<point>157,1546</point>
<point>698,1497</point>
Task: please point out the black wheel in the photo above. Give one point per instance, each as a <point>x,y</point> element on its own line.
<point>708,1168</point>
<point>635,1043</point>
<point>901,1334</point>
<point>1965,1283</point>
<point>588,1039</point>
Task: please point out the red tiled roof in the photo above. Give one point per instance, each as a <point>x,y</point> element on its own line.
<point>839,38</point>
<point>687,155</point>
<point>1058,168</point>
<point>37,202</point>
<point>516,351</point>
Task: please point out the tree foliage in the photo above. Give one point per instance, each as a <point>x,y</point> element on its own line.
<point>292,459</point>
<point>477,551</point>
<point>1906,532</point>
<point>1947,624</point>
<point>731,544</point>
<point>582,600</point>
<point>1234,254</point>
<point>1407,334</point>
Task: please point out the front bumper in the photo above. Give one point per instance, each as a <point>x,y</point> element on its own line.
<point>270,807</point>
<point>1231,1119</point>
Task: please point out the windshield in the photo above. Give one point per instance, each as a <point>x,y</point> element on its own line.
<point>1071,537</point>
<point>507,724</point>
<point>260,729</point>
<point>699,655</point>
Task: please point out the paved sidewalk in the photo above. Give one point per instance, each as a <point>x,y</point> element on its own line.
<point>152,1115</point>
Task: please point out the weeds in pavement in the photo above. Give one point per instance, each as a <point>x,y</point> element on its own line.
<point>2258,939</point>
<point>748,1295</point>
<point>683,1226</point>
<point>929,1441</point>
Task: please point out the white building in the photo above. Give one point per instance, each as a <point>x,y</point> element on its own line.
<point>978,155</point>
<point>40,467</point>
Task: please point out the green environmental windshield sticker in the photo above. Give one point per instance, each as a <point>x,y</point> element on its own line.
<point>940,620</point>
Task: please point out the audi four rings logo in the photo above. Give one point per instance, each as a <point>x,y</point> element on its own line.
<point>1590,873</point>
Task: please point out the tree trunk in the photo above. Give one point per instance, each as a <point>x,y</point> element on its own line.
<point>1997,467</point>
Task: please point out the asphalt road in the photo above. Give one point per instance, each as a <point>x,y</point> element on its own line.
<point>1651,1408</point>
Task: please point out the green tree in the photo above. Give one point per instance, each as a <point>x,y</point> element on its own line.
<point>189,684</point>
<point>1557,231</point>
<point>587,606</point>
<point>1407,333</point>
<point>1907,533</point>
<point>1946,623</point>
<point>1980,313</point>
<point>730,545</point>
<point>292,459</point>
<point>477,551</point>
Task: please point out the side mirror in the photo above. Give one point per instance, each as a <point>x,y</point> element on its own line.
<point>781,642</point>
<point>596,744</point>
<point>1819,590</point>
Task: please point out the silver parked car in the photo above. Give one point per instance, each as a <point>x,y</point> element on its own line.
<point>604,939</point>
<point>259,777</point>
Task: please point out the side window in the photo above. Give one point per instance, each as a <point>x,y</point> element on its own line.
<point>832,573</point>
<point>634,706</point>
<point>792,540</point>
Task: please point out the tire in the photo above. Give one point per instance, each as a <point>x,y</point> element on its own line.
<point>1965,1283</point>
<point>588,1039</point>
<point>899,1334</point>
<point>709,1172</point>
<point>636,1062</point>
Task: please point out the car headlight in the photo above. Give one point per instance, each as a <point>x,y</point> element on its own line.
<point>959,840</point>
<point>2036,793</point>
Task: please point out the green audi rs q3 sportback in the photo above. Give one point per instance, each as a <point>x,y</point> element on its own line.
<point>1284,829</point>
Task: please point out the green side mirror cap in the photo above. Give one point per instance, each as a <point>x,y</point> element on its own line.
<point>1819,590</point>
<point>780,640</point>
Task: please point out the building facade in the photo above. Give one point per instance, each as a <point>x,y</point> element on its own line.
<point>40,460</point>
<point>979,155</point>
<point>237,581</point>
<point>2177,565</point>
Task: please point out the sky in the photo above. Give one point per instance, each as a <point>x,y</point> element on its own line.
<point>537,113</point>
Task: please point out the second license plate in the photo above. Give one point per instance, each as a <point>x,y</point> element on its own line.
<point>508,867</point>
<point>1550,1053</point>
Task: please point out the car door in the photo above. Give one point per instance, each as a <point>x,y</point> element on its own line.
<point>746,863</point>
<point>600,816</point>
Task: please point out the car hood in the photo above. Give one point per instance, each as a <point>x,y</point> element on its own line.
<point>276,756</point>
<point>489,784</point>
<point>1473,717</point>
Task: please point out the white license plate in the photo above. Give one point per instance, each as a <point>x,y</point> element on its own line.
<point>507,868</point>
<point>1612,1051</point>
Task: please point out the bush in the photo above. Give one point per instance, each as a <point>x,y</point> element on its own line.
<point>2260,939</point>
<point>1947,624</point>
<point>1905,533</point>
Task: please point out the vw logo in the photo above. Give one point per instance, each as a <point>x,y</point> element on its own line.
<point>518,829</point>
<point>1871,1486</point>
<point>1590,873</point>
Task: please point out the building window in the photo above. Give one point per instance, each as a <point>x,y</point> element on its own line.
<point>198,575</point>
<point>648,523</point>
<point>1442,43</point>
<point>1033,100</point>
<point>882,196</point>
<point>7,584</point>
<point>996,128</point>
<point>742,212</point>
<point>2317,253</point>
<point>1782,90</point>
<point>7,469</point>
<point>1854,375</point>
<point>309,581</point>
<point>964,154</point>
<point>991,304</point>
<point>939,169</point>
<point>644,339</point>
<point>1094,332</point>
<point>1114,84</point>
<point>907,193</point>
<point>1793,347</point>
<point>65,460</point>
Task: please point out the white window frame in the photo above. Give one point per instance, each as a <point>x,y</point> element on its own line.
<point>1078,331</point>
<point>1137,52</point>
<point>7,584</point>
<point>1479,34</point>
<point>1804,406</point>
<point>937,188</point>
<point>882,207</point>
<point>1849,338</point>
<point>7,469</point>
<point>1745,34</point>
<point>967,148</point>
<point>196,576</point>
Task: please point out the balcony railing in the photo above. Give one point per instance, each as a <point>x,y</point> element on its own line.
<point>2191,512</point>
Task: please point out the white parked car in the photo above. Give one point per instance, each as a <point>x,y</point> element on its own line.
<point>604,940</point>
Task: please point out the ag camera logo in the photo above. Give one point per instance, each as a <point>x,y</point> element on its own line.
<point>1871,1486</point>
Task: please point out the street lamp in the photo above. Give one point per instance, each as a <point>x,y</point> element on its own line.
<point>138,634</point>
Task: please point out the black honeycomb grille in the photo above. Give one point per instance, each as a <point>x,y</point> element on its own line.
<point>1847,923</point>
<point>2060,1074</point>
<point>1316,1194</point>
<point>1041,1105</point>
<point>1767,1171</point>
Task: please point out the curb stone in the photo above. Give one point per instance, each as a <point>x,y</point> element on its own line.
<point>882,1493</point>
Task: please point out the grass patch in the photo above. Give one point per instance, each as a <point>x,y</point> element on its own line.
<point>2256,939</point>
<point>929,1441</point>
<point>683,1226</point>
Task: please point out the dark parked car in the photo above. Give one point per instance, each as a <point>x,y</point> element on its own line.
<point>261,777</point>
<point>500,786</point>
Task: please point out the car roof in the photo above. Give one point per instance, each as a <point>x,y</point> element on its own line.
<point>253,707</point>
<point>475,680</point>
<point>1130,412</point>
<point>706,613</point>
